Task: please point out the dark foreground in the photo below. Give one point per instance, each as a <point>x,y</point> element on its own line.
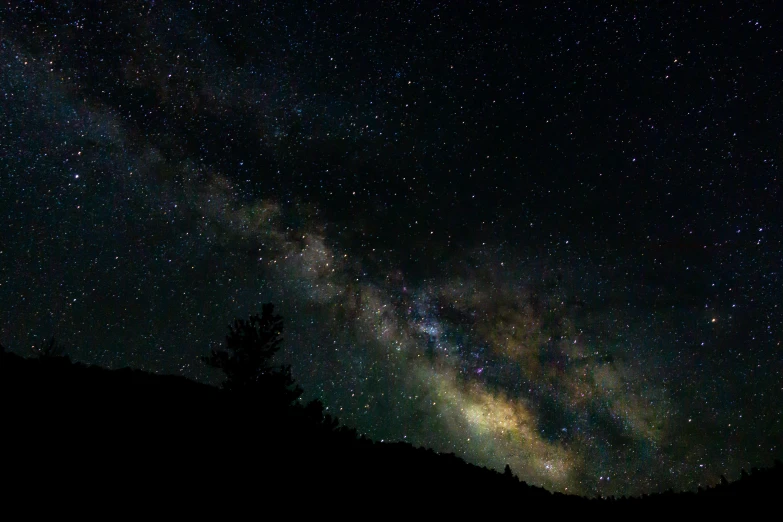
<point>78,435</point>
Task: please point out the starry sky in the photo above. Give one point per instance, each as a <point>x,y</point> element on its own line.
<point>542,235</point>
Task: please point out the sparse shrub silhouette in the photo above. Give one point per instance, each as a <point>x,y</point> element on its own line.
<point>50,350</point>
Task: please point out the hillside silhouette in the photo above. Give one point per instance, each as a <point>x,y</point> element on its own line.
<point>76,430</point>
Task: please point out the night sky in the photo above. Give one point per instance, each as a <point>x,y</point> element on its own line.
<point>546,236</point>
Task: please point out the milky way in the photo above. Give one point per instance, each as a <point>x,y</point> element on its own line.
<point>548,238</point>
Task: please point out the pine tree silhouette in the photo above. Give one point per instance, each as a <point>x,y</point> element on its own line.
<point>247,360</point>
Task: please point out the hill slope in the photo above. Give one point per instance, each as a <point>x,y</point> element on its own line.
<point>84,430</point>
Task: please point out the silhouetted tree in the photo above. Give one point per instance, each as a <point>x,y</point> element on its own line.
<point>49,350</point>
<point>247,360</point>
